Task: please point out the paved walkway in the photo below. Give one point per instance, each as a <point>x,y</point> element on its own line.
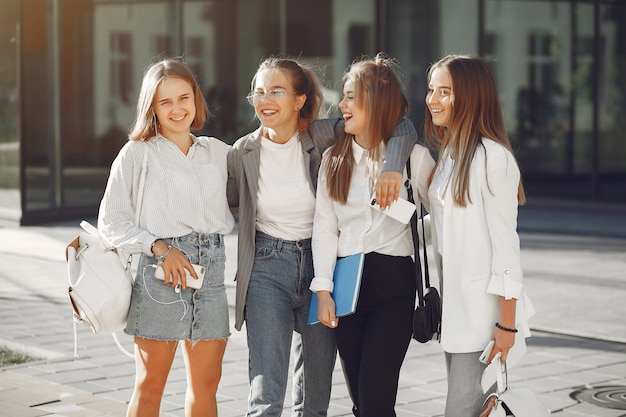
<point>574,259</point>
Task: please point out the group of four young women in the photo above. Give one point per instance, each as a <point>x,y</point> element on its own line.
<point>302,187</point>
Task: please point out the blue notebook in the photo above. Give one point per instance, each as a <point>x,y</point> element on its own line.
<point>347,283</point>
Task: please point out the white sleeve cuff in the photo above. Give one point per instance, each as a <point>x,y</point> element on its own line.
<point>505,287</point>
<point>321,284</point>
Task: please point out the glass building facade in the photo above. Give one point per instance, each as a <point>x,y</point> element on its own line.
<point>70,72</point>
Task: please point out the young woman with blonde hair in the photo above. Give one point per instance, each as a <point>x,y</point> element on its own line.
<point>183,217</point>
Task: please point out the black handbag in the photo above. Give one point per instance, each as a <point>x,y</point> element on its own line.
<point>427,314</point>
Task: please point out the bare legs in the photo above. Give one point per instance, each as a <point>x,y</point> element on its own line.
<point>153,361</point>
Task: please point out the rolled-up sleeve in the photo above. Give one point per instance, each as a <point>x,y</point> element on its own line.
<point>501,206</point>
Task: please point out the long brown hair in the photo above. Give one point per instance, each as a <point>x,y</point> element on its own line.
<point>303,80</point>
<point>476,113</point>
<point>146,123</point>
<point>377,87</point>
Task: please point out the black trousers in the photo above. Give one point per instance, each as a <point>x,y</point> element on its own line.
<point>373,342</point>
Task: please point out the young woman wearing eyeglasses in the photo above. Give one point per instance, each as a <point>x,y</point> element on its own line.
<point>272,180</point>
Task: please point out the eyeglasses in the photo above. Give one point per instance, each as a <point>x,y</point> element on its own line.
<point>272,96</point>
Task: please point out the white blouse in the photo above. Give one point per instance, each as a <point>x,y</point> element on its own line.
<point>182,193</point>
<point>345,229</point>
<point>436,195</point>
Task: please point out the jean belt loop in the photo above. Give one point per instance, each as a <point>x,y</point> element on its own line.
<point>279,244</point>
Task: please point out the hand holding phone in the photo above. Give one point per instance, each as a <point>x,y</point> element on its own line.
<point>400,210</point>
<point>191,282</point>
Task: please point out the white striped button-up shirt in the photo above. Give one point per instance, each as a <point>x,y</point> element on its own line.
<point>182,193</point>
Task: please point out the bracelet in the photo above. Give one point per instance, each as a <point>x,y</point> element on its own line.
<point>506,329</point>
<point>161,258</point>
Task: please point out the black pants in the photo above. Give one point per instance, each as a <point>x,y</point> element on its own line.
<point>373,341</point>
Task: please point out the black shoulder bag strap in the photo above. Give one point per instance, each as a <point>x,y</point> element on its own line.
<point>416,241</point>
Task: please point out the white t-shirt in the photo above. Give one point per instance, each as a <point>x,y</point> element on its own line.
<point>285,200</point>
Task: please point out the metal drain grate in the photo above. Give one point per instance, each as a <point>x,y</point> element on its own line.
<point>607,396</point>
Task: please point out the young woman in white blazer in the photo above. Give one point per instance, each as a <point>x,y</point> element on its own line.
<point>474,195</point>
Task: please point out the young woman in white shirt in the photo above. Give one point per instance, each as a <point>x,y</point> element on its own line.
<point>183,218</point>
<point>272,180</point>
<point>373,341</point>
<point>474,195</point>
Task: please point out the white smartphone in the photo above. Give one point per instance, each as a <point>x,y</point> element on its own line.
<point>400,210</point>
<point>191,282</point>
<point>485,355</point>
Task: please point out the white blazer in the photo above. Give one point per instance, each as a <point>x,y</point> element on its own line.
<point>480,257</point>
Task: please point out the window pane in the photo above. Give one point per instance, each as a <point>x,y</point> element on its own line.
<point>107,46</point>
<point>10,204</point>
<point>528,48</point>
<point>612,101</point>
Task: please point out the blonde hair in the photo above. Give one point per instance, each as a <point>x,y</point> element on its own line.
<point>378,88</point>
<point>476,113</point>
<point>146,123</point>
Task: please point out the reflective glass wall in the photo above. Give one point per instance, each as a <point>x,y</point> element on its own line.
<point>86,59</point>
<point>70,73</point>
<point>561,71</point>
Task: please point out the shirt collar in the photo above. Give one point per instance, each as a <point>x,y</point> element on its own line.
<point>357,151</point>
<point>194,140</point>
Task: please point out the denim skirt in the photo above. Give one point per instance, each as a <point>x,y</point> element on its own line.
<point>158,312</point>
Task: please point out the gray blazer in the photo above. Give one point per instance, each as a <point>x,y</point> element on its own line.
<point>243,179</point>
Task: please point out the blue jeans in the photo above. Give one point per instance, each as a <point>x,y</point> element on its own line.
<point>277,305</point>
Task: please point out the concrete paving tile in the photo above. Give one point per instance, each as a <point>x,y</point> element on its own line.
<point>411,395</point>
<point>117,383</point>
<point>173,405</point>
<point>231,392</point>
<point>118,370</point>
<point>584,378</point>
<point>120,396</point>
<point>617,370</point>
<point>233,379</point>
<point>601,359</point>
<point>431,408</point>
<point>588,410</point>
<point>13,410</point>
<point>25,397</point>
<point>548,385</point>
<point>61,408</point>
<point>64,366</point>
<point>100,405</point>
<point>73,377</point>
<point>92,387</point>
<point>542,370</point>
